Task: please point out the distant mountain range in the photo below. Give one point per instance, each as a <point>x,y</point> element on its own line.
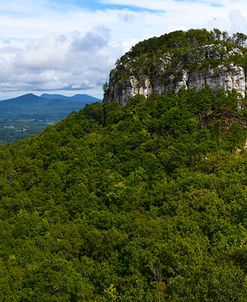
<point>29,114</point>
<point>46,104</point>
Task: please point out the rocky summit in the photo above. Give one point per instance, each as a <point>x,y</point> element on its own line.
<point>191,59</point>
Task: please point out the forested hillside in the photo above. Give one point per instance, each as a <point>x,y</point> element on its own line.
<point>146,202</point>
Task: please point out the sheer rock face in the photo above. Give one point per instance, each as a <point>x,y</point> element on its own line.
<point>229,78</point>
<point>195,70</point>
<point>124,90</point>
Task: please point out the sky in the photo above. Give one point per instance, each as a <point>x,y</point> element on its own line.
<point>70,46</point>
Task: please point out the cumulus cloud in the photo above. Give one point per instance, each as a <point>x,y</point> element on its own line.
<point>59,62</point>
<point>91,41</point>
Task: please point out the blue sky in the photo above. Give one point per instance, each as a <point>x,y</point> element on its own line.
<point>98,5</point>
<point>132,5</point>
<point>70,46</point>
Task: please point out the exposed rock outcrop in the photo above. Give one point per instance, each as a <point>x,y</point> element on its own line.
<point>213,65</point>
<point>229,78</point>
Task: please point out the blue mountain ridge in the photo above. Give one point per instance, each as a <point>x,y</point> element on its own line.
<point>51,104</point>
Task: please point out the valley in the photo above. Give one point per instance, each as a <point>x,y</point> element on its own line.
<point>29,114</point>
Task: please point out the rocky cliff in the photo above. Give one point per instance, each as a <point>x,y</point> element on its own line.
<point>192,59</point>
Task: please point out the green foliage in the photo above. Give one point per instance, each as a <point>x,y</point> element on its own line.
<point>159,58</point>
<point>145,202</point>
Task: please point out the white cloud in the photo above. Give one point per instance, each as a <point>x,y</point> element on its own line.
<point>47,46</point>
<point>59,62</point>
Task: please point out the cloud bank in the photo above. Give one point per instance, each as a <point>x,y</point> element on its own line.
<point>73,62</point>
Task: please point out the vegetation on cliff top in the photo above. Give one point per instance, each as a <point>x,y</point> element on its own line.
<point>192,38</point>
<point>141,203</point>
<point>158,56</point>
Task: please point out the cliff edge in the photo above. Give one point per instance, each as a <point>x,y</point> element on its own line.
<point>191,59</point>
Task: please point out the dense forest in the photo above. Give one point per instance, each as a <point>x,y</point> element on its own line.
<point>146,202</point>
